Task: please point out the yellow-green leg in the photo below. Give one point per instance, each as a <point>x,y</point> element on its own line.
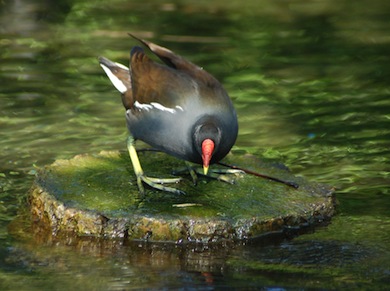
<point>141,178</point>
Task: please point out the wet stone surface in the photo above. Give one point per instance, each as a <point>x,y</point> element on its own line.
<point>97,195</point>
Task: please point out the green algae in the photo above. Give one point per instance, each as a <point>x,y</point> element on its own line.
<point>101,191</point>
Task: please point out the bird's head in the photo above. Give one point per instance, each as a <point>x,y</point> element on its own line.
<point>207,137</point>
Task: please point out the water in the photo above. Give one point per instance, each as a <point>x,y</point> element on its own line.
<point>310,81</point>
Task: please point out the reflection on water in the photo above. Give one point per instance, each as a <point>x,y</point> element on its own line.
<point>309,80</point>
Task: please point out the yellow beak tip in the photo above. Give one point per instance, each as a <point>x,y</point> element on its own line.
<point>205,170</point>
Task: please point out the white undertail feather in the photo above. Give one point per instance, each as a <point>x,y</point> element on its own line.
<point>122,66</point>
<point>114,80</point>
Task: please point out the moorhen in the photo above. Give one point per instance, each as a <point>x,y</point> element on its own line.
<point>177,108</point>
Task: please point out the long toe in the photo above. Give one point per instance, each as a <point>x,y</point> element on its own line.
<point>187,169</point>
<point>225,175</point>
<point>156,183</point>
<point>164,180</point>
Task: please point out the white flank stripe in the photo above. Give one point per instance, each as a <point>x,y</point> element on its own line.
<point>114,80</point>
<point>162,108</point>
<point>155,105</point>
<point>140,106</point>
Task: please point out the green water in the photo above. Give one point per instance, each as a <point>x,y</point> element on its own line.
<point>309,79</point>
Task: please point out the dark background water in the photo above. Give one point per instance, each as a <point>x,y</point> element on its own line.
<point>309,79</point>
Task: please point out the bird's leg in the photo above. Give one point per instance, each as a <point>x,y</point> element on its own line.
<point>155,183</point>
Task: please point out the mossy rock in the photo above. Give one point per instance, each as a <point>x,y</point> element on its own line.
<point>97,195</point>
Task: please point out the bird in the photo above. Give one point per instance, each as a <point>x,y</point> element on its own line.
<point>174,106</point>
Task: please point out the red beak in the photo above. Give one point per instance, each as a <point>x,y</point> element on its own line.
<point>207,153</point>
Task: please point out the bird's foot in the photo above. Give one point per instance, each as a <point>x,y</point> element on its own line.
<point>157,183</point>
<point>224,175</point>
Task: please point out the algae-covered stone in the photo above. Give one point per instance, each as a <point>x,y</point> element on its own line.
<point>97,195</point>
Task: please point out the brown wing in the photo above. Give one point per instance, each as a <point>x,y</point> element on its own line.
<point>153,82</point>
<point>175,61</point>
<point>148,81</point>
